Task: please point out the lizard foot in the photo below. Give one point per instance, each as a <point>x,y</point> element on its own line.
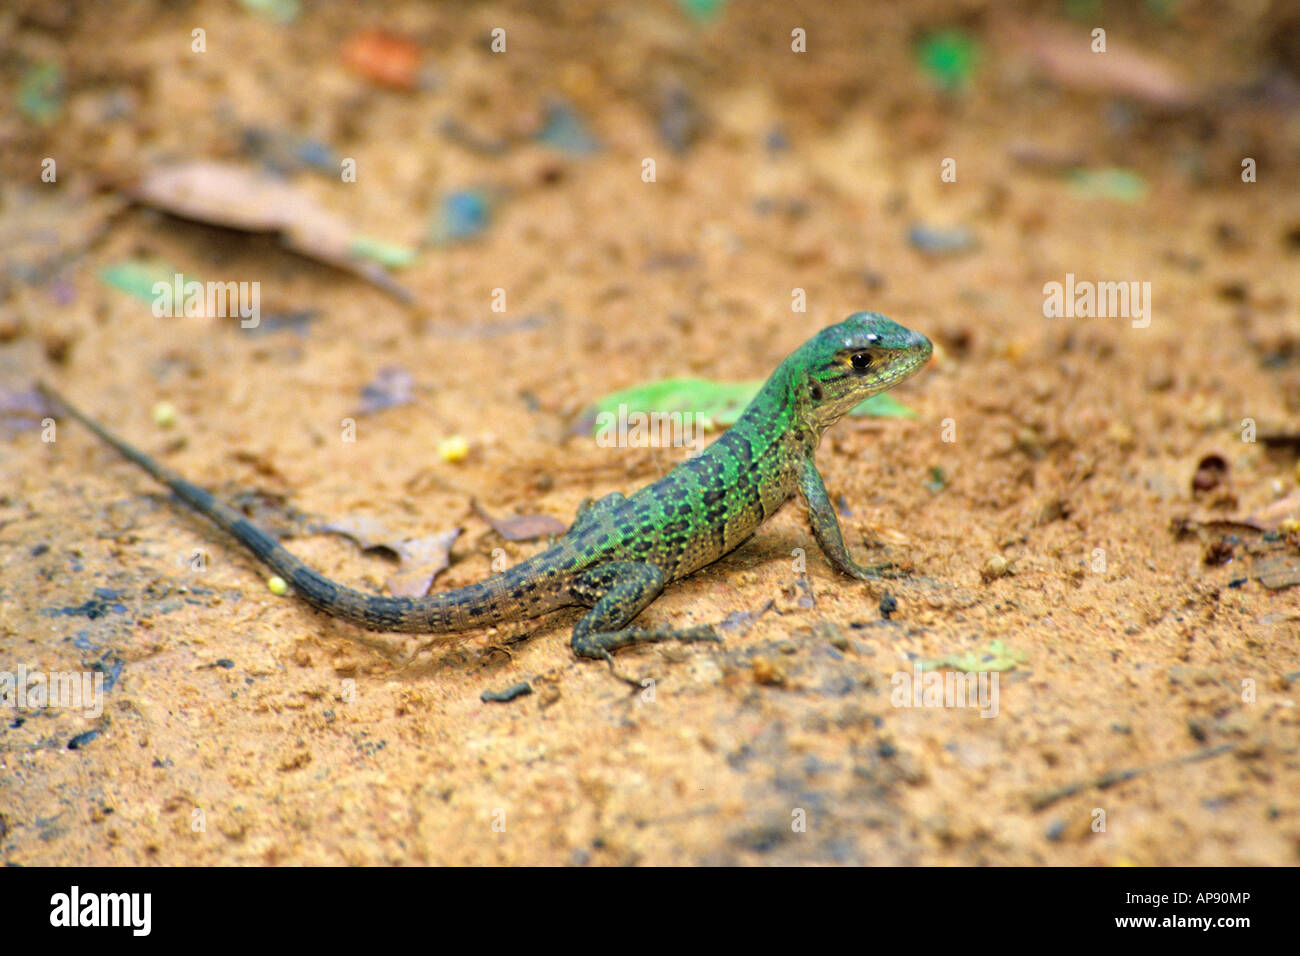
<point>877,572</point>
<point>600,645</point>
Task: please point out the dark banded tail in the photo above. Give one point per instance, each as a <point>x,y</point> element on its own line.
<point>478,605</point>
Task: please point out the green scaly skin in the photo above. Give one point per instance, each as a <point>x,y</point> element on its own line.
<point>620,552</point>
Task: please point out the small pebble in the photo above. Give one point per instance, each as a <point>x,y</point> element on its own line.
<point>888,605</point>
<point>832,635</point>
<point>766,672</point>
<point>11,327</point>
<point>461,215</point>
<point>1210,473</point>
<point>79,741</point>
<point>505,696</point>
<point>941,242</point>
<point>1122,435</point>
<point>995,567</point>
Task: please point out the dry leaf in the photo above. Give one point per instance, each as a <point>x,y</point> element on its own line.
<point>232,196</point>
<point>419,560</point>
<point>522,527</point>
<point>367,533</point>
<point>1270,517</point>
<point>1067,58</point>
<point>1278,573</point>
<point>422,560</point>
<point>383,58</point>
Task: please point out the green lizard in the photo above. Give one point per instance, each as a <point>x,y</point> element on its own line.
<point>620,551</point>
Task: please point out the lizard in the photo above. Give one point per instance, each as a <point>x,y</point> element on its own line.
<point>620,552</point>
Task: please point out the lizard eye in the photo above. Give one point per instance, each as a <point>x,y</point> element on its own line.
<point>861,361</point>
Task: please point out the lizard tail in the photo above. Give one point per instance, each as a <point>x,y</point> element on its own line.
<point>468,608</point>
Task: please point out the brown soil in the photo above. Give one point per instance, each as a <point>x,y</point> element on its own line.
<point>1156,681</point>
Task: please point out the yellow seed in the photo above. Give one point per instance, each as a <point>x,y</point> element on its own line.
<point>453,449</point>
<point>164,414</point>
<point>278,585</point>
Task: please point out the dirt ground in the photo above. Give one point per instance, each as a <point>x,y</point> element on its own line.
<point>1086,491</point>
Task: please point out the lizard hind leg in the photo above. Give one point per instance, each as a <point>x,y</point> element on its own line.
<point>617,592</point>
<point>592,509</point>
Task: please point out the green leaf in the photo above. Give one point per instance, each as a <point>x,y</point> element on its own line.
<point>137,277</point>
<point>712,403</point>
<point>385,253</point>
<point>1123,185</point>
<point>41,92</point>
<point>717,404</point>
<point>949,58</point>
<point>998,657</point>
<point>883,405</point>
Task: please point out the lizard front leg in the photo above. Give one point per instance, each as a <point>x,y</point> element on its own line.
<point>618,592</point>
<point>826,527</point>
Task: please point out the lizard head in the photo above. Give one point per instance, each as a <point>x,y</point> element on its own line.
<point>846,363</point>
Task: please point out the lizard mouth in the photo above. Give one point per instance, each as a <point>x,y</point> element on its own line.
<point>904,362</point>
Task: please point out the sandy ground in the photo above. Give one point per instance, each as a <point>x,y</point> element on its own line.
<point>1050,495</point>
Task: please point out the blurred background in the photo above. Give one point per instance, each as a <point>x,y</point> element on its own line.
<point>466,223</point>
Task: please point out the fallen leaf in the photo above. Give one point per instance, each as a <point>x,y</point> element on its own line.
<point>998,657</point>
<point>41,91</point>
<point>138,277</point>
<point>710,404</point>
<point>367,533</point>
<point>419,560</point>
<point>522,527</point>
<point>1278,573</point>
<point>1066,57</point>
<point>383,58</point>
<point>1271,517</point>
<point>224,194</point>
